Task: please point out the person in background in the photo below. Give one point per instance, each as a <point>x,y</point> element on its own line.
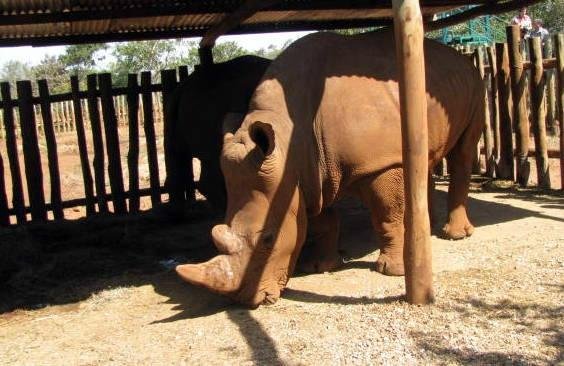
<point>539,30</point>
<point>523,21</point>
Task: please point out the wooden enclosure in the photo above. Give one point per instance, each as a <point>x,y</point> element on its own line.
<point>31,117</point>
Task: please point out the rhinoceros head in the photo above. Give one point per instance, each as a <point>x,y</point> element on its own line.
<point>265,220</point>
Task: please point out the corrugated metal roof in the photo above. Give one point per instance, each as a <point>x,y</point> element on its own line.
<point>78,21</point>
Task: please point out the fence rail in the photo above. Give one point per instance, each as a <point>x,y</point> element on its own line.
<point>515,86</point>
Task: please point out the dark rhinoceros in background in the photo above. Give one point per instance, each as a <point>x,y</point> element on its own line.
<point>197,109</point>
<point>324,123</point>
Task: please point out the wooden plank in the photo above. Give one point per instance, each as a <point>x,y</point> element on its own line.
<point>520,115</point>
<point>82,148</point>
<point>559,50</point>
<point>32,157</point>
<point>494,116</point>
<point>52,156</point>
<point>4,215</point>
<point>149,128</point>
<point>487,129</point>
<point>97,142</point>
<point>539,113</point>
<point>112,144</point>
<point>174,174</point>
<point>133,154</point>
<point>506,165</point>
<point>182,73</point>
<point>408,26</point>
<point>12,149</point>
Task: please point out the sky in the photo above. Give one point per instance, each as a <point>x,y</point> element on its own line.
<point>33,55</point>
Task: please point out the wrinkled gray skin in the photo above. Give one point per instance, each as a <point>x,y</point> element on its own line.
<point>324,123</point>
<point>197,108</point>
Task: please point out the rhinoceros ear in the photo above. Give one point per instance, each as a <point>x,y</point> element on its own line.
<point>262,135</point>
<point>231,123</point>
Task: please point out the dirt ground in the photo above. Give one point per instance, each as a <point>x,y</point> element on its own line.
<point>104,292</point>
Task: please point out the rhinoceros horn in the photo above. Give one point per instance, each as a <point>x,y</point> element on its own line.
<point>222,273</point>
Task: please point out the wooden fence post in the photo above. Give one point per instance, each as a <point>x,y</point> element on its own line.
<point>97,142</point>
<point>133,155</point>
<point>495,105</point>
<point>520,116</point>
<point>149,128</point>
<point>487,129</point>
<point>408,27</point>
<point>182,73</point>
<point>12,148</point>
<point>559,43</point>
<point>82,149</point>
<point>32,157</point>
<point>112,144</point>
<point>506,165</point>
<point>52,156</point>
<point>538,113</point>
<point>4,216</point>
<point>551,118</point>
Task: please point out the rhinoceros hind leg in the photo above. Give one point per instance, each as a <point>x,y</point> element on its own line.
<point>383,194</point>
<point>460,166</point>
<point>323,255</point>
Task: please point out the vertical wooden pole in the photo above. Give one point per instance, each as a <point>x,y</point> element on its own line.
<point>175,187</point>
<point>487,129</point>
<point>559,50</point>
<point>133,154</point>
<point>12,149</point>
<point>82,148</point>
<point>149,128</point>
<point>32,157</point>
<point>506,166</point>
<point>494,118</point>
<point>52,156</point>
<point>550,91</point>
<point>538,113</point>
<point>182,73</point>
<point>521,119</point>
<point>408,27</point>
<point>4,216</point>
<point>112,144</point>
<point>97,142</point>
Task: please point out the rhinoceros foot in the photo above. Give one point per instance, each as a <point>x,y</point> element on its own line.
<point>322,264</point>
<point>456,232</point>
<point>389,265</point>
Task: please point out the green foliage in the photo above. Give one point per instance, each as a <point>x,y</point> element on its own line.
<point>272,51</point>
<point>15,70</point>
<point>54,71</point>
<point>82,58</point>
<point>551,12</point>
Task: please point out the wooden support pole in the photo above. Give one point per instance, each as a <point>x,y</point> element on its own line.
<point>539,113</point>
<point>506,165</point>
<point>4,214</point>
<point>133,154</point>
<point>520,116</point>
<point>408,26</point>
<point>112,144</point>
<point>82,148</point>
<point>32,157</point>
<point>97,142</point>
<point>182,73</point>
<point>559,50</point>
<point>149,128</point>
<point>52,155</point>
<point>494,116</point>
<point>13,156</point>
<point>551,119</point>
<point>487,129</point>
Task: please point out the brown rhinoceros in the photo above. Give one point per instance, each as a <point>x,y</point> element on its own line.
<point>323,123</point>
<point>197,109</point>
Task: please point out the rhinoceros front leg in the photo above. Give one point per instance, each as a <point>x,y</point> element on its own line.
<point>383,195</point>
<point>323,253</point>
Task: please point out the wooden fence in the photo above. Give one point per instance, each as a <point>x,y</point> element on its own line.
<point>101,108</point>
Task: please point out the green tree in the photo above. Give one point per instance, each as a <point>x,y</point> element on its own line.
<point>52,69</point>
<point>551,12</point>
<point>15,70</point>
<point>272,51</point>
<point>81,59</point>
